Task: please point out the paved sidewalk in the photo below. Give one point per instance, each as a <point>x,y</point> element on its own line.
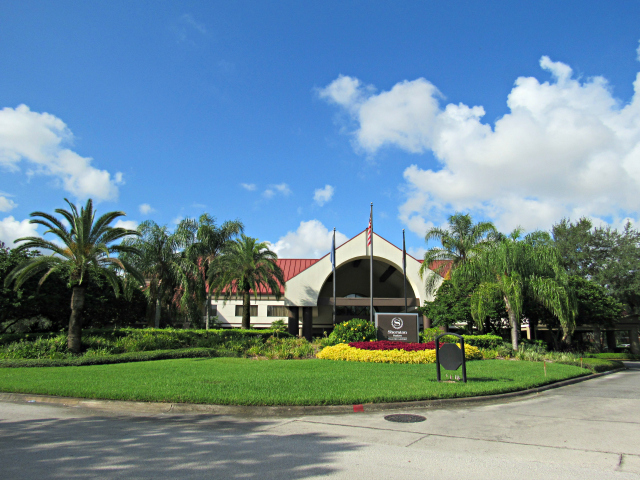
<point>589,430</point>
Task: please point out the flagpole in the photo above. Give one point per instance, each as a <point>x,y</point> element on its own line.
<point>404,270</point>
<point>371,266</point>
<point>333,268</point>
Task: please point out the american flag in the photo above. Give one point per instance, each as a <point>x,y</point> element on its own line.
<point>369,229</point>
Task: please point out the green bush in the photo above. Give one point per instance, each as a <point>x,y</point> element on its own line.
<point>480,341</point>
<point>121,358</point>
<point>110,342</point>
<point>283,349</point>
<point>613,356</point>
<point>354,330</point>
<point>595,364</point>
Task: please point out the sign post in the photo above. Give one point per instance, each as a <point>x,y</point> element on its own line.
<point>398,327</point>
<point>450,356</point>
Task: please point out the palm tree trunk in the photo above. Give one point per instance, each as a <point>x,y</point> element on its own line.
<point>158,309</point>
<point>74,339</point>
<point>246,310</point>
<point>514,323</point>
<point>207,307</point>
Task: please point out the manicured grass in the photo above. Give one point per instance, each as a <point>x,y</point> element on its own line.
<point>240,381</point>
<point>614,356</point>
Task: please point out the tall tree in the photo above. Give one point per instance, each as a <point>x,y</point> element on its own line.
<point>210,239</point>
<point>246,266</point>
<point>86,252</point>
<point>512,269</point>
<point>609,257</point>
<point>461,241</point>
<point>159,261</point>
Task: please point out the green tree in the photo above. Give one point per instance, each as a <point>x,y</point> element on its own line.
<point>159,260</point>
<point>513,269</point>
<point>609,257</point>
<point>86,252</point>
<point>246,266</point>
<point>461,241</point>
<point>210,240</point>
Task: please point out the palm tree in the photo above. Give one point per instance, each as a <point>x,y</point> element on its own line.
<point>460,242</point>
<point>513,269</point>
<point>85,253</point>
<point>246,265</point>
<point>210,240</point>
<point>159,261</point>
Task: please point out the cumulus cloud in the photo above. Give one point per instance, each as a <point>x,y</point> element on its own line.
<point>128,224</point>
<point>6,204</point>
<point>567,147</point>
<point>323,195</point>
<point>12,229</point>
<point>146,209</point>
<point>281,188</point>
<point>311,240</point>
<point>40,140</point>
<point>248,186</point>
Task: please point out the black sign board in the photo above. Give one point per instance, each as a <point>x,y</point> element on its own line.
<point>450,356</point>
<point>397,327</point>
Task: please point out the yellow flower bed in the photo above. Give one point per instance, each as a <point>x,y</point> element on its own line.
<point>343,351</point>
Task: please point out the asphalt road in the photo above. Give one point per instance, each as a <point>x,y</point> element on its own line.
<point>590,430</point>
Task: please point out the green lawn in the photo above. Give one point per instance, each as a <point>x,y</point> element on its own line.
<point>239,381</point>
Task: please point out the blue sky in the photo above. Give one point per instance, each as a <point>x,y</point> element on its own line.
<point>294,116</point>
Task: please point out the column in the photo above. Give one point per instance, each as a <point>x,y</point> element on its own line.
<point>611,340</point>
<point>307,323</point>
<point>294,321</point>
<point>635,344</point>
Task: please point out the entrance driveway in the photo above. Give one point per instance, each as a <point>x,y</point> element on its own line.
<point>589,430</point>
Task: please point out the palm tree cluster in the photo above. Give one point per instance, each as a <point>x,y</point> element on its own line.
<point>178,271</point>
<point>504,268</point>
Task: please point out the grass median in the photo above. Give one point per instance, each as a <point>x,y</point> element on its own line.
<point>240,381</point>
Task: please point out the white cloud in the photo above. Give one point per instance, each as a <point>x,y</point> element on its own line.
<point>323,195</point>
<point>40,139</point>
<point>12,229</point>
<point>248,186</point>
<point>6,204</point>
<point>146,209</point>
<point>566,148</point>
<point>311,240</point>
<point>128,224</point>
<point>281,188</point>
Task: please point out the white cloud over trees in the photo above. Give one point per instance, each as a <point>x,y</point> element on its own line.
<point>12,229</point>
<point>311,240</point>
<point>40,141</point>
<point>567,147</point>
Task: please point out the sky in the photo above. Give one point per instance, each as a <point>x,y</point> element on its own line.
<point>295,116</point>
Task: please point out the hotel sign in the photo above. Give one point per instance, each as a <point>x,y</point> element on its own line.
<point>397,327</point>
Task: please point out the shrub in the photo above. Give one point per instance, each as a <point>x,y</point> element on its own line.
<point>480,341</point>
<point>347,353</point>
<point>111,359</point>
<point>389,345</point>
<point>354,330</point>
<point>107,342</point>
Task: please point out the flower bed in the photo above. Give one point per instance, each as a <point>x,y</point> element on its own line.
<point>389,345</point>
<point>345,352</point>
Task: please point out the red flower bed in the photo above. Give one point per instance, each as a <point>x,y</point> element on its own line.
<point>388,345</point>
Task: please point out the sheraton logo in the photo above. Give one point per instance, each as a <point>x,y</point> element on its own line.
<point>397,323</point>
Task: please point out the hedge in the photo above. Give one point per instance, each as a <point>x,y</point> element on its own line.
<point>119,358</point>
<point>595,364</point>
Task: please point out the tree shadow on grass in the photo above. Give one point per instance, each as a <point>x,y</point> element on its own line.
<point>183,447</point>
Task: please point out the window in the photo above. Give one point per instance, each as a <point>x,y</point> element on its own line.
<point>213,310</point>
<point>277,311</point>
<point>253,310</point>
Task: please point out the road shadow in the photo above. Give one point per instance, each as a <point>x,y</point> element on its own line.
<point>182,447</point>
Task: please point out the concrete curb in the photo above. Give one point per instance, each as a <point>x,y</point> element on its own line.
<point>125,407</point>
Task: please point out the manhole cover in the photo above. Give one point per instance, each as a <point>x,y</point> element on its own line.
<point>405,418</point>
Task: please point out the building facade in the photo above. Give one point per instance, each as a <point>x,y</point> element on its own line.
<point>306,303</point>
